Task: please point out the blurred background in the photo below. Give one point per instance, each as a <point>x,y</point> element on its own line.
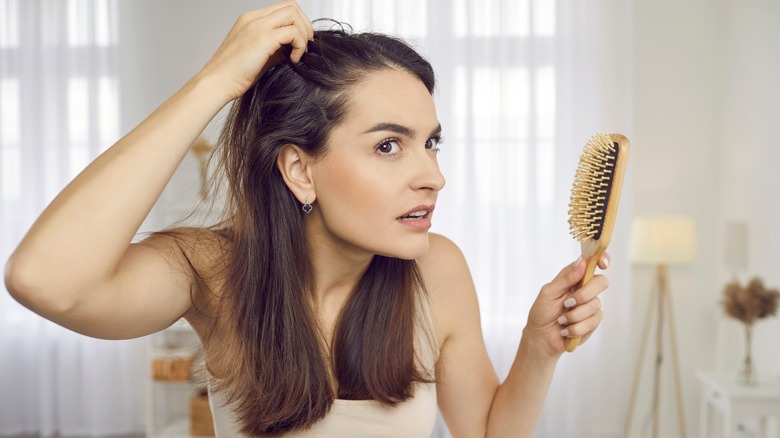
<point>522,85</point>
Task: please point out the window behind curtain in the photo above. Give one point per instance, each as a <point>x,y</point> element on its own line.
<point>58,105</point>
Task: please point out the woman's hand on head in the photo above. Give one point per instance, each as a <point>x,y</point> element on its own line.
<point>253,45</point>
<point>562,311</point>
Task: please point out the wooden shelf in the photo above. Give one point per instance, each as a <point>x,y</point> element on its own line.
<point>167,401</point>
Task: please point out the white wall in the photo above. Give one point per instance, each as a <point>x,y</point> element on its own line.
<point>706,100</point>
<point>674,164</point>
<point>750,154</point>
<point>155,62</point>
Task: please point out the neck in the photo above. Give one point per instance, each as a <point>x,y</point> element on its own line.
<point>337,266</point>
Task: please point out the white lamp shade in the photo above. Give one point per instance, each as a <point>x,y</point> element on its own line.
<point>663,240</point>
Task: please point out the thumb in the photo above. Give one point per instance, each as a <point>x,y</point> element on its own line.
<point>566,279</point>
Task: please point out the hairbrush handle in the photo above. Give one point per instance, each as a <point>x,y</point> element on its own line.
<point>591,253</point>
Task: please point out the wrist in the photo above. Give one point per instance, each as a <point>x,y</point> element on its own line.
<point>538,349</point>
<point>211,86</point>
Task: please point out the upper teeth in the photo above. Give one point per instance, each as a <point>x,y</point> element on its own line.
<point>418,213</point>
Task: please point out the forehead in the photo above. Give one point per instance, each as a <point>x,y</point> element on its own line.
<point>389,95</point>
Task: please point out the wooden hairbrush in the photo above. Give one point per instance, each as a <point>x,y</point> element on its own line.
<point>595,196</point>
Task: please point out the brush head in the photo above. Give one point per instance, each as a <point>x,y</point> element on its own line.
<point>593,187</point>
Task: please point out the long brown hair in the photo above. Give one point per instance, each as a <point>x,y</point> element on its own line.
<point>277,375</point>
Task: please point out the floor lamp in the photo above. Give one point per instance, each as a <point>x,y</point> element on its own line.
<point>660,242</point>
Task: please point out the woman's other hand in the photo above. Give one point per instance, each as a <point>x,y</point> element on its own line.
<point>252,45</point>
<point>561,311</point>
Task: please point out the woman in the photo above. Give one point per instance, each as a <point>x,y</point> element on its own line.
<point>324,305</point>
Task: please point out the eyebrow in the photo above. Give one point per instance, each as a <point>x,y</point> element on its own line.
<point>399,129</point>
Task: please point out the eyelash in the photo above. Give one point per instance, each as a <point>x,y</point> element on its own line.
<point>437,138</point>
<point>439,141</point>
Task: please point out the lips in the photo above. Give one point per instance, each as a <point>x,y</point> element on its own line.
<point>418,212</point>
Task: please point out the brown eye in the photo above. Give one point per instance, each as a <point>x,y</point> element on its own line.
<point>388,147</point>
<point>433,143</point>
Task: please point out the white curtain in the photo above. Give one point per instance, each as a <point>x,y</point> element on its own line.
<point>522,84</point>
<point>58,110</point>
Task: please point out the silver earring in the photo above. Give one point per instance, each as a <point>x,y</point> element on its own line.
<point>307,208</point>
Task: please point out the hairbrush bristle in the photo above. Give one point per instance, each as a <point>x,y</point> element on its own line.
<point>591,188</point>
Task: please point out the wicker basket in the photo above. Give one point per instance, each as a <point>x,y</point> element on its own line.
<point>201,423</point>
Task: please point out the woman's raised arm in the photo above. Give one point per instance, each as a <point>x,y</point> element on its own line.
<point>76,265</point>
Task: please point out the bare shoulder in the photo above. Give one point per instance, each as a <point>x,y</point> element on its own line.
<point>443,260</point>
<point>448,280</point>
<point>466,383</point>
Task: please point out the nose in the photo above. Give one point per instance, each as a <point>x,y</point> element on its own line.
<point>427,175</point>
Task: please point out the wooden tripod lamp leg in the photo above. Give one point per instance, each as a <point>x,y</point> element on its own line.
<point>675,361</point>
<point>659,352</point>
<point>640,361</point>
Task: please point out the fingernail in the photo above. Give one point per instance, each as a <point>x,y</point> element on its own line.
<point>565,332</point>
<point>606,262</point>
<point>563,320</point>
<point>577,262</point>
<point>571,302</point>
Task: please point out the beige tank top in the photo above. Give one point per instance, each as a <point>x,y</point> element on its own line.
<point>364,418</point>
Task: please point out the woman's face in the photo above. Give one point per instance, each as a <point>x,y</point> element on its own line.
<point>377,185</point>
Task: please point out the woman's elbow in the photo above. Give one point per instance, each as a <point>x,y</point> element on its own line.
<point>24,284</point>
<point>15,278</point>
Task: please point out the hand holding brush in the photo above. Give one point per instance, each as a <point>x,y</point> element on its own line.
<point>594,202</point>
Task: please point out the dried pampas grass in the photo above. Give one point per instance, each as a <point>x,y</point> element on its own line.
<point>750,303</point>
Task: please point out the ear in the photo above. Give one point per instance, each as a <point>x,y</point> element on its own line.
<point>293,164</point>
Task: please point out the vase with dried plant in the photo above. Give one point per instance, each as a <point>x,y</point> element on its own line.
<point>749,304</point>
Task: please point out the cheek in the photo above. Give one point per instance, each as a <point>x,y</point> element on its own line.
<point>359,202</point>
<point>357,192</point>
